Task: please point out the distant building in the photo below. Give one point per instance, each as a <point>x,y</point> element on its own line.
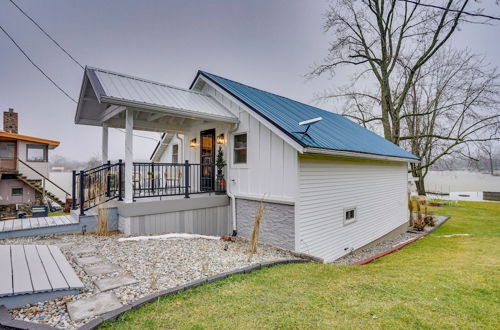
<point>23,165</point>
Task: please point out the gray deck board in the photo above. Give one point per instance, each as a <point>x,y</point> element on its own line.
<point>58,221</point>
<point>18,224</point>
<point>66,269</point>
<point>6,273</point>
<point>38,276</point>
<point>43,222</point>
<point>56,279</point>
<point>50,221</point>
<point>33,273</point>
<point>2,223</point>
<point>20,271</point>
<point>34,223</point>
<point>8,225</point>
<point>26,223</point>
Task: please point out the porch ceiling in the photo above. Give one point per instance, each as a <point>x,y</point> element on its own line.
<point>157,107</point>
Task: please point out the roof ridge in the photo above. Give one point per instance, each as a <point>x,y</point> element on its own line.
<point>144,80</point>
<point>281,96</point>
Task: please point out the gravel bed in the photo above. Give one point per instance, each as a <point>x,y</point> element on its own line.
<point>156,264</point>
<point>375,249</point>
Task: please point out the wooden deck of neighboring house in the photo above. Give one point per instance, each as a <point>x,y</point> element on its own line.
<point>32,273</point>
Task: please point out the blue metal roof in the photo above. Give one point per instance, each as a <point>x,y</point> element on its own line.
<point>334,132</point>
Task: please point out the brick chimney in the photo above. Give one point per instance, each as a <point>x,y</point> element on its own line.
<point>10,121</point>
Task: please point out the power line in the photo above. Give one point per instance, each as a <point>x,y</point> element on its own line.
<point>36,66</point>
<point>47,34</point>
<point>418,3</point>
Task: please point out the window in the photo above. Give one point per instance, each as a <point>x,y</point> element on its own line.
<point>240,148</point>
<point>7,150</point>
<point>17,191</point>
<point>175,153</point>
<point>36,153</point>
<point>349,215</point>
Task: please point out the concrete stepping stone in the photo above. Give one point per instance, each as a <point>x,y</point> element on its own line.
<point>84,250</point>
<point>92,306</point>
<point>101,269</point>
<point>110,283</point>
<point>90,260</point>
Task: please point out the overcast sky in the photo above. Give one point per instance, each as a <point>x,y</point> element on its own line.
<point>267,44</point>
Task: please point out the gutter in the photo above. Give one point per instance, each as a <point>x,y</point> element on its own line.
<point>355,154</point>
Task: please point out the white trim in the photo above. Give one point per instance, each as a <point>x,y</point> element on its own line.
<point>233,164</point>
<point>353,154</point>
<point>261,119</point>
<point>167,110</point>
<point>268,199</point>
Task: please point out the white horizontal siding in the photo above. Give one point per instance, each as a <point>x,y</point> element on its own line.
<point>327,186</point>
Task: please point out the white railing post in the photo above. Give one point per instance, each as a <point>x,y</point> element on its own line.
<point>129,155</point>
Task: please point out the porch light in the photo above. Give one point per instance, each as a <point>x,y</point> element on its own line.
<point>220,139</point>
<point>192,144</point>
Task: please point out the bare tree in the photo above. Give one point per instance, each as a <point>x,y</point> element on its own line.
<point>452,107</point>
<point>385,38</point>
<point>426,97</point>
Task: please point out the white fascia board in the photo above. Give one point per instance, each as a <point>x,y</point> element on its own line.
<point>353,154</point>
<point>261,119</point>
<point>168,110</point>
<point>80,99</point>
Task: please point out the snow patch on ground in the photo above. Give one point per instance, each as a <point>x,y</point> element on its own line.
<point>167,236</point>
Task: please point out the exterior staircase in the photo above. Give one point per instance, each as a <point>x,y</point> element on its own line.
<point>36,184</point>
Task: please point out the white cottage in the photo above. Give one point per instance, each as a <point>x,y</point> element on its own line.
<point>329,185</point>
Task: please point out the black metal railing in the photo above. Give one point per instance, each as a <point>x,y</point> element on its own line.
<point>173,179</point>
<point>97,185</point>
<point>106,182</point>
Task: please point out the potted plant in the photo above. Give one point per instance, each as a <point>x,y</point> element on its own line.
<point>220,183</point>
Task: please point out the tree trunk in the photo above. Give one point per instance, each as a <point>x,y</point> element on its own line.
<point>420,186</point>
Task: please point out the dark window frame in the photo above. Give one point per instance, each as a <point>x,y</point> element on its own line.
<point>17,194</point>
<point>15,149</point>
<point>241,148</point>
<point>37,146</point>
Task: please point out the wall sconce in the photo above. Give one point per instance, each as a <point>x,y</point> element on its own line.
<point>192,144</point>
<point>220,139</point>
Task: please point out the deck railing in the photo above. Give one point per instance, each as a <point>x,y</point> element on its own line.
<point>106,182</point>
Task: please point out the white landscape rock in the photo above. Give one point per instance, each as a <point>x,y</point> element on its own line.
<point>156,264</point>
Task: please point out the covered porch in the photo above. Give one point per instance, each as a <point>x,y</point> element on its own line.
<point>112,100</point>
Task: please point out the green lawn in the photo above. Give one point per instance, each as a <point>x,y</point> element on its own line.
<point>57,213</point>
<point>432,283</point>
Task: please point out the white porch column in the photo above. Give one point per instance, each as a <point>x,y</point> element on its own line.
<point>129,154</point>
<point>104,143</point>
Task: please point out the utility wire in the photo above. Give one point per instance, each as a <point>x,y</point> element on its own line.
<point>418,3</point>
<point>36,66</point>
<point>46,33</point>
<point>61,48</point>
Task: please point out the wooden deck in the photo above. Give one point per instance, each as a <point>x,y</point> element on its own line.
<point>33,223</point>
<point>32,273</point>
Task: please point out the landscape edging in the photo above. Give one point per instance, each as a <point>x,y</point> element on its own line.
<point>400,246</point>
<point>7,321</point>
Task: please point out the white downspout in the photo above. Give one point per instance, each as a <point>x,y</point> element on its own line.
<point>229,185</point>
<point>182,145</point>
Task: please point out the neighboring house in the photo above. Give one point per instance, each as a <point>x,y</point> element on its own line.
<point>329,187</point>
<point>23,165</point>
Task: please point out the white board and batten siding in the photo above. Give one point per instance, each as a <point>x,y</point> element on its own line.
<point>327,186</point>
<point>271,168</point>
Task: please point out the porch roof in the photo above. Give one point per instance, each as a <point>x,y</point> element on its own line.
<point>105,94</point>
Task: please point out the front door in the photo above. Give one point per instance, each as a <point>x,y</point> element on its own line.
<point>207,160</point>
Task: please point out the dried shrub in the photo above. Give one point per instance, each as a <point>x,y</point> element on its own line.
<point>254,238</point>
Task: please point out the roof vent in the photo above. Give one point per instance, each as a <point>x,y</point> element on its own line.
<point>308,123</point>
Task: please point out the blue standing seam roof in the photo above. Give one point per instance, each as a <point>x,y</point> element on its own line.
<point>334,132</point>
